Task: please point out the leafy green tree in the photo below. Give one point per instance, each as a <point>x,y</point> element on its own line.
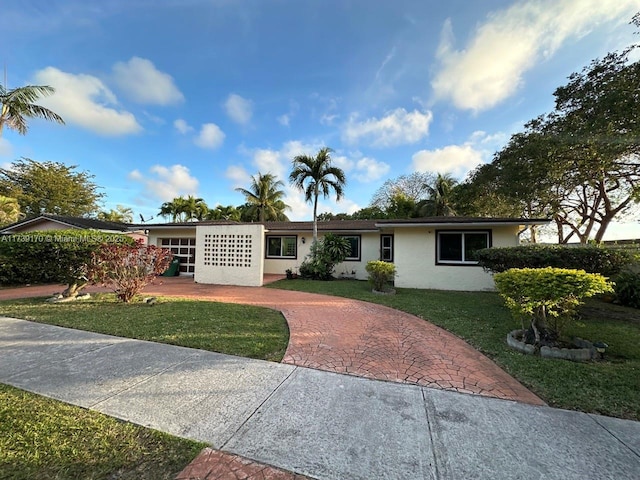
<point>369,213</point>
<point>264,198</point>
<point>50,187</point>
<point>120,214</point>
<point>9,210</point>
<point>401,206</point>
<point>315,176</point>
<point>18,105</point>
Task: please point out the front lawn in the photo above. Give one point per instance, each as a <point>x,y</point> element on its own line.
<point>241,330</point>
<point>42,438</point>
<point>609,387</point>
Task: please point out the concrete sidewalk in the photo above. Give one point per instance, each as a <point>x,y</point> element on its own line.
<point>320,424</point>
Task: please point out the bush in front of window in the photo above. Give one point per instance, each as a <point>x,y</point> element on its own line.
<point>324,255</point>
<point>547,298</point>
<point>592,259</point>
<point>380,274</point>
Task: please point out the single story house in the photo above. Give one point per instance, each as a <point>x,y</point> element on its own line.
<point>50,222</point>
<point>434,252</point>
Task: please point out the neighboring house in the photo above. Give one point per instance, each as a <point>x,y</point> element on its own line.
<point>435,252</point>
<point>61,222</point>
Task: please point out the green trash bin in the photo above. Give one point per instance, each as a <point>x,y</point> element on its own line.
<point>174,268</point>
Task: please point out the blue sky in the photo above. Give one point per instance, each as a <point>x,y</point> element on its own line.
<point>176,97</point>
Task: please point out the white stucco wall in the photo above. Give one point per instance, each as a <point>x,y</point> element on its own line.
<point>230,254</point>
<point>415,260</point>
<point>280,265</point>
<point>369,250</point>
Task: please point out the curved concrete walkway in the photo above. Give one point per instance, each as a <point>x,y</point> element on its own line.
<point>357,338</point>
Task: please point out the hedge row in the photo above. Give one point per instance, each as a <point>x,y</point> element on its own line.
<point>58,256</point>
<point>592,259</point>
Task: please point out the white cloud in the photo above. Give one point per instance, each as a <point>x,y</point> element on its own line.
<point>238,175</point>
<point>135,175</point>
<point>210,136</point>
<point>5,148</point>
<point>284,120</point>
<point>369,170</point>
<point>270,161</point>
<point>182,126</point>
<point>166,183</point>
<point>398,127</point>
<point>144,83</point>
<point>510,42</point>
<point>455,159</point>
<point>239,109</point>
<point>85,101</point>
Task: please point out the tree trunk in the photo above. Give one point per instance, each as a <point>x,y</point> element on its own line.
<point>73,289</point>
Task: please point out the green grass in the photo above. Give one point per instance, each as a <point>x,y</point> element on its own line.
<point>609,387</point>
<point>45,439</point>
<point>242,330</point>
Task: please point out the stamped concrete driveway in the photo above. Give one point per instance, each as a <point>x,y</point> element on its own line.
<point>367,340</point>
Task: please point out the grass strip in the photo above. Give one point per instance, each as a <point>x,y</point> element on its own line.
<point>242,330</point>
<point>47,439</point>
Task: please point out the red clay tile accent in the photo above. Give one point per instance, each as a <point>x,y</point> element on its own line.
<point>216,465</point>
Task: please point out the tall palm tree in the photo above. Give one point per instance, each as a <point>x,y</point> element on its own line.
<point>265,197</point>
<point>9,210</point>
<point>440,201</point>
<point>18,105</point>
<point>320,177</point>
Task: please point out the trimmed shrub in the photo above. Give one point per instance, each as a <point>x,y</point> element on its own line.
<point>547,297</point>
<point>591,259</point>
<point>52,256</point>
<point>324,256</point>
<point>380,274</point>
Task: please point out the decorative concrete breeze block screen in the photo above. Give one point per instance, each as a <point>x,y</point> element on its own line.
<point>229,254</point>
<point>228,250</point>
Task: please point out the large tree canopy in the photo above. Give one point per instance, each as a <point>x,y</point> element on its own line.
<point>415,187</point>
<point>580,164</point>
<point>50,187</point>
